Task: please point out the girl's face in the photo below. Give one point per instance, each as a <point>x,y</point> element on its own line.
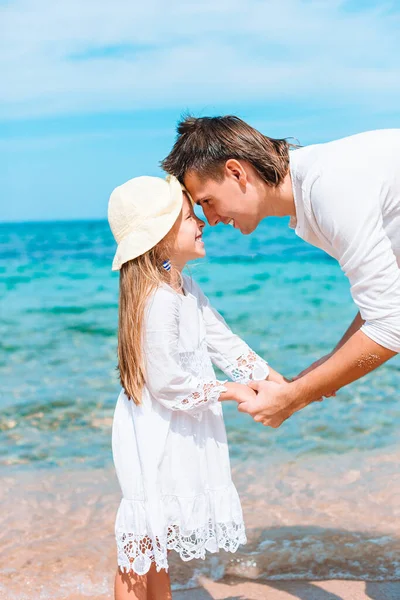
<point>188,242</point>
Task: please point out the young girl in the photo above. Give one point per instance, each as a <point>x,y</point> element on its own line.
<point>169,442</point>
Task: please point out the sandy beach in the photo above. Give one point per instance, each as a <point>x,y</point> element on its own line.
<point>306,541</point>
<point>291,590</point>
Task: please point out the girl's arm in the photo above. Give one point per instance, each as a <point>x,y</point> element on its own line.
<point>228,351</point>
<point>172,376</point>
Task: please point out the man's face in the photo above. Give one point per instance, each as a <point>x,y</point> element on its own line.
<point>234,200</point>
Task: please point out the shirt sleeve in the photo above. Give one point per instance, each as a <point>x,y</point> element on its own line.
<point>228,351</point>
<point>166,378</point>
<point>347,209</point>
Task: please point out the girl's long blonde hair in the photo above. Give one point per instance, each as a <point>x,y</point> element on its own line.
<point>139,278</point>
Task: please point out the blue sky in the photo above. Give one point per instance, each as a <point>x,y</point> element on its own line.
<point>91,91</point>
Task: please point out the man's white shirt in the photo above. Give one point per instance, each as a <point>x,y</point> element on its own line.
<point>347,197</point>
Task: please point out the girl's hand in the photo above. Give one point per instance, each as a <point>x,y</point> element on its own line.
<point>238,392</point>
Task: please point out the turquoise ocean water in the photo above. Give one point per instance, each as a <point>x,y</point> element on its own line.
<point>58,320</point>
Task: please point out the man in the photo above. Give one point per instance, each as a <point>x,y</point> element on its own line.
<point>343,197</point>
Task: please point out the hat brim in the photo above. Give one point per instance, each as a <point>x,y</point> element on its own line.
<point>151,232</point>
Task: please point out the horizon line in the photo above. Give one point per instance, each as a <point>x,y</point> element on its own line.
<point>52,221</point>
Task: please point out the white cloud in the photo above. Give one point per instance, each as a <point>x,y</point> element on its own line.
<point>184,54</point>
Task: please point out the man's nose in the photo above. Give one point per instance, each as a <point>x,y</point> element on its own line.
<point>211,216</point>
<point>200,223</point>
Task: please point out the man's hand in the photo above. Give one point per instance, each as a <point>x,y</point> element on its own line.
<point>256,400</point>
<point>273,403</point>
<point>270,405</point>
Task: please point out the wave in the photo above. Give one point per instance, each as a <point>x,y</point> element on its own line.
<point>72,310</point>
<point>93,330</point>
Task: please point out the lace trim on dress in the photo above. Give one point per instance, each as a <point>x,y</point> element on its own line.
<point>205,393</point>
<point>249,367</point>
<point>136,552</point>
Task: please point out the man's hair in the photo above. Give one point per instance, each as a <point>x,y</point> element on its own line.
<point>203,145</point>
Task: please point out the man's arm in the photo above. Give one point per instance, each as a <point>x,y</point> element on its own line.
<point>275,403</point>
<point>355,325</point>
<point>358,356</point>
<point>358,239</point>
<point>275,376</point>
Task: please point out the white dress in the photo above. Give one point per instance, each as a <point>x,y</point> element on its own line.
<point>170,452</point>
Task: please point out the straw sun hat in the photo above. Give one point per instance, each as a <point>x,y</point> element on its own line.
<point>141,212</point>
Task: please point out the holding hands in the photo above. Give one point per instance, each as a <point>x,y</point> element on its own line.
<point>274,403</point>
<point>265,401</point>
<point>269,402</point>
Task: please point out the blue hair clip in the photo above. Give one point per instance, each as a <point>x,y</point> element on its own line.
<point>167,265</point>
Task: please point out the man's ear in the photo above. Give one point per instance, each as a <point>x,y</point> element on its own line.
<point>234,168</point>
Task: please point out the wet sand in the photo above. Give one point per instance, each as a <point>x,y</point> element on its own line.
<point>321,529</point>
